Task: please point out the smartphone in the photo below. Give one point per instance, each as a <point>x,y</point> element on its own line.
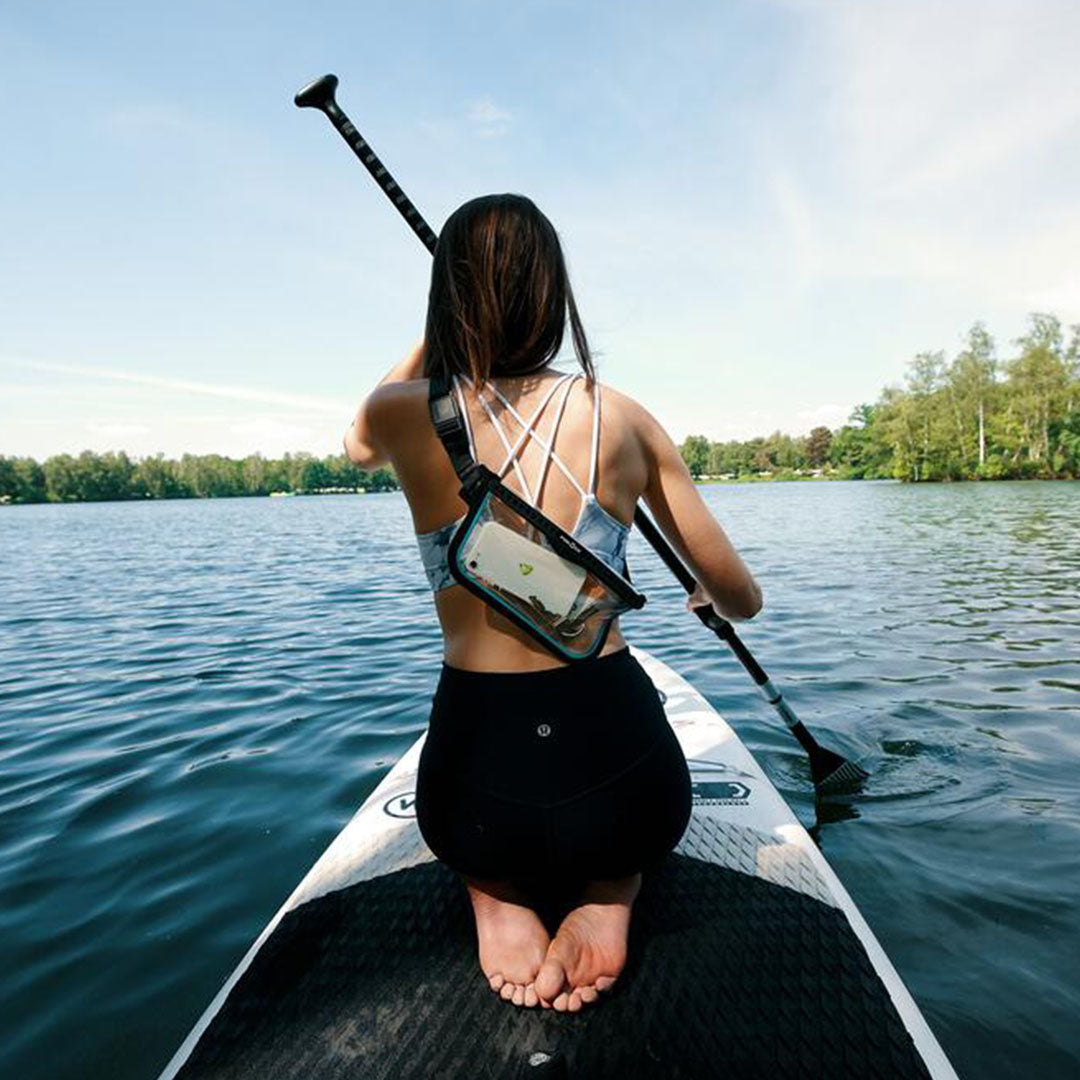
<point>522,567</point>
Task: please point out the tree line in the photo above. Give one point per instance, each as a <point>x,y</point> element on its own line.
<point>90,477</point>
<point>972,416</point>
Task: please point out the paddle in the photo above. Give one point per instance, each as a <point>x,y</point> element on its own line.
<point>828,770</point>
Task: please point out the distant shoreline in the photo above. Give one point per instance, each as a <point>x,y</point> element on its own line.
<point>699,481</point>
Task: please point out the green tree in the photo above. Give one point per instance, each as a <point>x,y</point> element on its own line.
<point>818,443</point>
<point>924,378</point>
<point>1038,390</point>
<point>9,485</point>
<point>29,481</point>
<point>972,380</point>
<point>695,452</point>
<point>156,478</point>
<point>62,479</point>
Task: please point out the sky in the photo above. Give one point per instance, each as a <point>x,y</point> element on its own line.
<point>768,207</point>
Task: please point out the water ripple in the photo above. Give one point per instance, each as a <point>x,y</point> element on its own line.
<point>195,696</point>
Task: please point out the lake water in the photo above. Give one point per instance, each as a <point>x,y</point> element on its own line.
<point>195,697</point>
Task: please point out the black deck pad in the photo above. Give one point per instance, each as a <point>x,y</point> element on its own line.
<point>729,976</point>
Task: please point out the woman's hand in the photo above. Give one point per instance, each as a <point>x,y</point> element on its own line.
<point>698,599</point>
<point>412,367</point>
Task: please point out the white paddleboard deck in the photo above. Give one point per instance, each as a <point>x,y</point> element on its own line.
<point>753,959</point>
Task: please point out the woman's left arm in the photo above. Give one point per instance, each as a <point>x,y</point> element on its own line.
<point>362,444</point>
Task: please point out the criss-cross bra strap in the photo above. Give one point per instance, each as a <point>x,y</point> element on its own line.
<point>549,446</point>
<point>511,458</point>
<point>528,429</point>
<point>549,449</point>
<point>594,451</point>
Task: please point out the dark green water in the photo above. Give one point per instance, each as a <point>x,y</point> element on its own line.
<point>195,696</point>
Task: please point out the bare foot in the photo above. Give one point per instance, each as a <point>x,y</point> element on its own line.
<point>512,940</point>
<point>589,950</point>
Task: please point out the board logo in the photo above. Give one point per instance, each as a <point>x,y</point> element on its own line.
<point>721,792</point>
<point>401,806</point>
<point>525,568</point>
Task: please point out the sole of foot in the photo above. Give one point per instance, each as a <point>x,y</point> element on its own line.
<point>588,951</point>
<point>511,939</point>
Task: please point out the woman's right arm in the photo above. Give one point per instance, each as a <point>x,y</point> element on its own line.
<point>681,513</point>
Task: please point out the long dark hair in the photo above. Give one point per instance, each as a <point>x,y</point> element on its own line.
<point>500,293</point>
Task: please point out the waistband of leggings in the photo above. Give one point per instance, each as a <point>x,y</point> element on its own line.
<point>521,681</point>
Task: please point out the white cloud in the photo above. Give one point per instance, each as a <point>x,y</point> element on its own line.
<point>935,94</point>
<point>488,120</point>
<point>190,386</point>
<point>935,145</point>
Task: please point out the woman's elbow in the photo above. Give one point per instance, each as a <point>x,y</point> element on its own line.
<point>359,453</point>
<point>757,601</point>
<point>747,604</point>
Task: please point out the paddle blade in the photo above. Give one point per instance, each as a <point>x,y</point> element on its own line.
<point>833,773</point>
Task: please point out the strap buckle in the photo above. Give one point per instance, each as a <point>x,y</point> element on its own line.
<point>450,428</point>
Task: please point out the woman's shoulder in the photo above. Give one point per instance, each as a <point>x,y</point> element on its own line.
<point>626,412</point>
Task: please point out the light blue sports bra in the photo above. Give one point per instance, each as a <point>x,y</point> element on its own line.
<point>604,535</point>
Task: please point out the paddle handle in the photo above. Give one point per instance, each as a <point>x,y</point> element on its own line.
<point>320,95</point>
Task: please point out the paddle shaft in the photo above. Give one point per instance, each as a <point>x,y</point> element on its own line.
<point>320,95</point>
<point>723,629</point>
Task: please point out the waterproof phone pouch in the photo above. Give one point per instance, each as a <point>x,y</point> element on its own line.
<point>520,562</point>
<point>527,568</point>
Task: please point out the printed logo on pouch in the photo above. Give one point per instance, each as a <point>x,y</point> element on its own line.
<point>525,568</point>
<point>401,806</point>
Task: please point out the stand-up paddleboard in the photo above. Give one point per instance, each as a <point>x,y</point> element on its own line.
<point>747,958</point>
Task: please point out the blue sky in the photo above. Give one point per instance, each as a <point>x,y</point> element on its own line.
<point>768,207</point>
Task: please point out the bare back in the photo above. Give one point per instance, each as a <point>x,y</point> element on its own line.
<point>477,638</point>
<point>636,460</point>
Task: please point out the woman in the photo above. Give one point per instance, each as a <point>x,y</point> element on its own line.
<point>540,778</point>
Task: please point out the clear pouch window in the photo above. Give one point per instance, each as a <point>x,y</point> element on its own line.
<point>501,555</point>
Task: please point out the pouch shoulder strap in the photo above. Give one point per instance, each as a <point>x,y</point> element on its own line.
<point>450,427</point>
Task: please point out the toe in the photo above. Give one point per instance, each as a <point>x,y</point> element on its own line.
<point>561,1002</point>
<point>507,991</point>
<point>496,982</point>
<point>605,982</point>
<point>574,1004</point>
<point>589,994</point>
<point>531,996</point>
<point>550,979</point>
<point>519,995</point>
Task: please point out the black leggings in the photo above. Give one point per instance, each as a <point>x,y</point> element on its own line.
<point>551,779</point>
